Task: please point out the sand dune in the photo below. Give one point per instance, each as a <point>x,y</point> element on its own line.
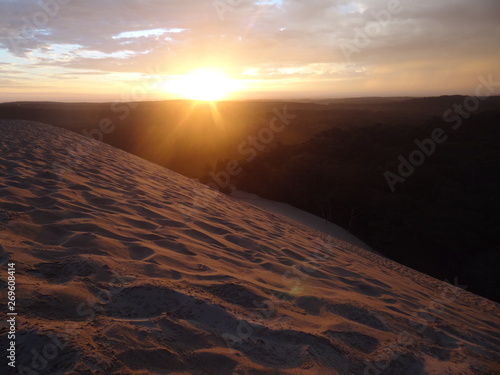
<point>300,216</point>
<point>124,267</point>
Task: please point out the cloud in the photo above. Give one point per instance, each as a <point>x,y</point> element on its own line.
<point>276,39</point>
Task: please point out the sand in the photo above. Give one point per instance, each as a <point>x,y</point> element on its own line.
<point>300,216</point>
<point>124,267</point>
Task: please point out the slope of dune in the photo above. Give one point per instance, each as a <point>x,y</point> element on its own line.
<point>301,216</point>
<point>124,267</point>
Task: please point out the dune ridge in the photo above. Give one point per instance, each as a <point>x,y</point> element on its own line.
<point>124,267</point>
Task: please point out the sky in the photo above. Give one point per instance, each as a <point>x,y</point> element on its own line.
<point>118,50</point>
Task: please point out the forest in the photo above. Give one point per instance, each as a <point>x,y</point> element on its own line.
<point>443,219</point>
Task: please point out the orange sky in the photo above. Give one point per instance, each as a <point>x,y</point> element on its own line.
<point>139,50</point>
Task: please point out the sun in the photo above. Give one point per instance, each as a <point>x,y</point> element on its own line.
<point>207,84</point>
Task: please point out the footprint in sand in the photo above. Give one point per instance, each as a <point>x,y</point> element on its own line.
<point>140,252</point>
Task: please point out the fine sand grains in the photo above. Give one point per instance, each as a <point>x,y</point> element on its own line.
<point>124,267</point>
